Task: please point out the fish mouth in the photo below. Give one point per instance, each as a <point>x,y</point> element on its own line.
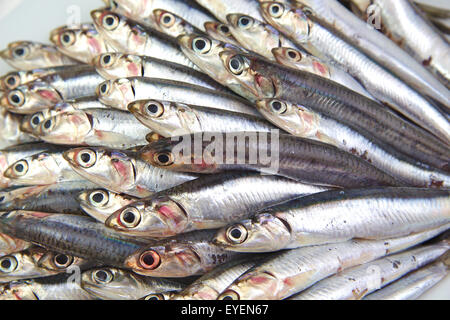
<point>69,156</point>
<point>184,40</point>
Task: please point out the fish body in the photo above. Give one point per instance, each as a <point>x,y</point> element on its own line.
<point>10,130</point>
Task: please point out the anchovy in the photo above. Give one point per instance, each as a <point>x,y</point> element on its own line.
<point>14,79</point>
<point>221,32</point>
<point>171,24</point>
<point>336,216</point>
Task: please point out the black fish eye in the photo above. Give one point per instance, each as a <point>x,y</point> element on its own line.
<point>98,197</point>
<point>276,105</point>
<point>106,59</point>
<point>129,217</point>
<point>109,21</point>
<point>292,54</point>
<point>19,52</point>
<point>236,65</point>
<point>35,120</point>
<point>19,167</point>
<point>61,259</point>
<point>6,264</point>
<point>167,19</point>
<point>200,44</point>
<point>85,157</point>
<point>47,124</point>
<point>101,275</point>
<point>163,158</point>
<point>236,233</point>
<point>104,88</point>
<point>11,81</point>
<point>224,29</point>
<point>152,108</point>
<point>244,22</point>
<point>15,98</point>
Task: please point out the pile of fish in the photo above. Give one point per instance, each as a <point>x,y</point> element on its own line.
<point>336,135</point>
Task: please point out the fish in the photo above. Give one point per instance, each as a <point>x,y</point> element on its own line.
<point>188,255</point>
<point>292,271</point>
<point>121,92</point>
<point>199,204</point>
<point>316,38</point>
<point>171,24</point>
<point>376,46</point>
<point>122,171</point>
<point>29,55</point>
<point>70,83</point>
<point>82,43</point>
<point>300,159</point>
<point>338,216</point>
<point>59,197</point>
<point>14,79</point>
<point>126,36</point>
<point>101,203</point>
<point>170,118</point>
<point>9,245</point>
<point>220,9</point>
<point>44,168</point>
<point>357,282</point>
<point>221,32</point>
<point>10,130</point>
<point>118,65</point>
<point>264,80</point>
<point>93,127</point>
<point>301,60</point>
<point>60,287</point>
<point>412,285</point>
<point>120,284</point>
<point>75,235</point>
<point>303,122</point>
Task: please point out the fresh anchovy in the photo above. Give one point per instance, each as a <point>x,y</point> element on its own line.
<point>413,285</point>
<point>220,32</point>
<point>301,60</point>
<point>142,10</point>
<point>199,204</point>
<point>336,216</point>
<point>390,90</point>
<point>36,262</point>
<point>264,79</point>
<point>59,197</point>
<point>28,55</point>
<point>10,130</point>
<point>118,284</point>
<point>210,285</point>
<point>118,65</point>
<point>119,93</point>
<point>70,83</point>
<point>187,255</point>
<point>12,154</point>
<point>71,234</point>
<point>14,79</point>
<point>379,48</point>
<point>93,127</point>
<point>126,36</point>
<point>122,171</point>
<point>47,167</point>
<point>305,123</point>
<point>32,121</point>
<point>256,35</point>
<point>221,8</point>
<point>60,287</point>
<point>292,271</point>
<point>82,43</point>
<point>9,245</point>
<point>357,282</point>
<point>172,24</point>
<point>406,26</point>
<point>101,203</point>
<point>273,153</point>
<point>170,118</point>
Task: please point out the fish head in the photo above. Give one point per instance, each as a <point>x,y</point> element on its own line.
<point>172,260</point>
<point>291,21</point>
<point>155,217</point>
<point>219,31</point>
<point>263,233</point>
<point>58,262</point>
<point>117,93</point>
<point>298,59</point>
<point>171,24</point>
<point>296,119</point>
<point>33,170</point>
<point>31,122</point>
<point>101,203</point>
<point>165,117</point>
<point>115,65</point>
<point>12,80</point>
<point>112,169</point>
<point>26,55</point>
<point>31,97</point>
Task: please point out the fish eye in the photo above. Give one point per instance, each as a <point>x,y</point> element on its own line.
<point>104,88</point>
<point>110,22</point>
<point>86,158</point>
<point>154,109</point>
<point>237,234</point>
<point>201,45</point>
<point>12,81</point>
<point>276,10</point>
<point>20,52</point>
<point>62,261</point>
<point>20,168</point>
<point>130,217</point>
<point>154,297</point>
<point>150,260</point>
<point>8,264</point>
<point>224,29</point>
<point>47,126</point>
<point>164,158</point>
<point>294,55</point>
<point>236,65</point>
<point>278,107</point>
<point>167,19</point>
<point>102,276</point>
<point>99,198</point>
<point>307,11</point>
<point>245,22</point>
<point>229,295</point>
<point>106,60</point>
<point>36,119</point>
<point>16,98</point>
<point>67,38</point>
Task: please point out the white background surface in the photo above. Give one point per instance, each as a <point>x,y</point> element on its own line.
<point>34,19</point>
